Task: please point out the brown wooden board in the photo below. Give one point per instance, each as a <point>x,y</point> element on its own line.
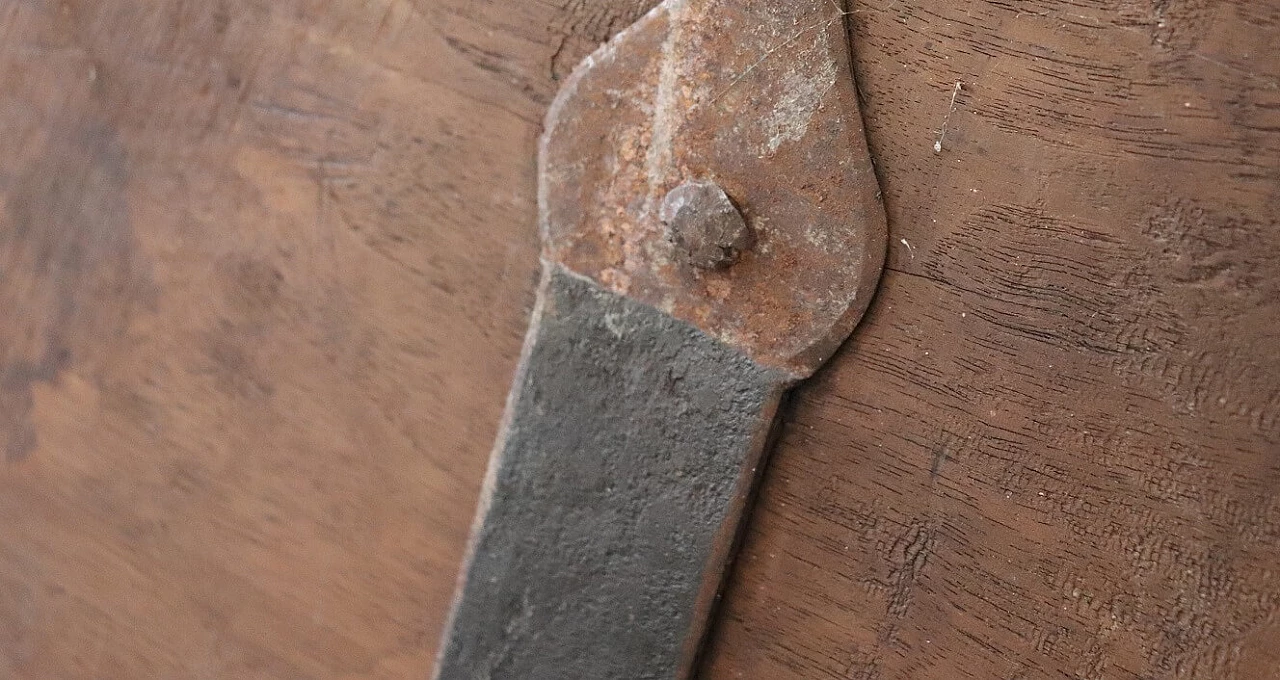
<point>1053,449</point>
<point>265,268</point>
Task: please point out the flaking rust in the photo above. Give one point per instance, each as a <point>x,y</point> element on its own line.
<point>759,98</point>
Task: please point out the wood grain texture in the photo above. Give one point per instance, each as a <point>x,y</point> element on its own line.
<point>265,267</point>
<point>1053,449</point>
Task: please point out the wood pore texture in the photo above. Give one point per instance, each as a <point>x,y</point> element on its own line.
<point>265,268</point>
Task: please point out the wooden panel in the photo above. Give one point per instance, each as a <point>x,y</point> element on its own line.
<point>1053,451</point>
<point>265,272</point>
<point>265,267</point>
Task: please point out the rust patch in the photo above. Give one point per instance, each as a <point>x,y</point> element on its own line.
<point>759,98</point>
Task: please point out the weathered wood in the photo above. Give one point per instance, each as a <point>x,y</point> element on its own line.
<point>265,267</point>
<point>264,273</point>
<point>1053,450</point>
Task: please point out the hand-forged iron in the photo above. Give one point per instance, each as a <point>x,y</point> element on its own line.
<point>712,231</point>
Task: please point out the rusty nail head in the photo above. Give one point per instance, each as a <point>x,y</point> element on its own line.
<point>705,225</point>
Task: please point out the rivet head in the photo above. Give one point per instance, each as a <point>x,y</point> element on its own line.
<point>704,224</point>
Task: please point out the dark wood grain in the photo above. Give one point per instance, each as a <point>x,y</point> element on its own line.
<point>265,267</point>
<point>1053,449</point>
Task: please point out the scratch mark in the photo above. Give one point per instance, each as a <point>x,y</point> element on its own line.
<point>770,52</point>
<point>910,249</point>
<point>942,134</point>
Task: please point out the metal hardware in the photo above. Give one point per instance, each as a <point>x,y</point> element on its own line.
<point>705,225</point>
<point>648,387</point>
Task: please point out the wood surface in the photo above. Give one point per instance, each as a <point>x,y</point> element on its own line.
<point>265,268</point>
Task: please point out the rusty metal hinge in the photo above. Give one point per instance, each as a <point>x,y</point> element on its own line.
<point>712,232</point>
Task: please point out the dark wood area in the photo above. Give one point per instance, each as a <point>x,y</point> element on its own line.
<point>265,268</point>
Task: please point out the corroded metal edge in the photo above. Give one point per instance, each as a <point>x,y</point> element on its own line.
<point>760,98</point>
